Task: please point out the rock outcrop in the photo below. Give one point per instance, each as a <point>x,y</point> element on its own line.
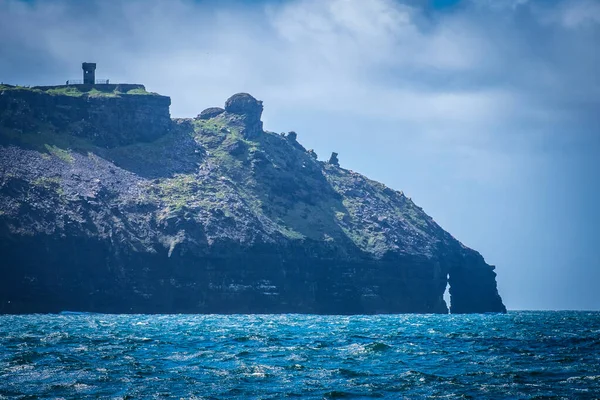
<point>244,111</point>
<point>292,136</point>
<point>333,160</point>
<point>206,215</point>
<point>115,115</point>
<point>210,112</point>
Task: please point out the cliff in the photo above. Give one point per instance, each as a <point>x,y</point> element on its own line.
<point>107,205</point>
<point>105,115</point>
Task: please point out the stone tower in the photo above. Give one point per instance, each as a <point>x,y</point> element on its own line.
<point>89,73</point>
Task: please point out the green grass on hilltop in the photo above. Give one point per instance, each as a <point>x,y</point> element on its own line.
<point>64,91</point>
<point>63,154</point>
<point>140,91</point>
<point>80,91</point>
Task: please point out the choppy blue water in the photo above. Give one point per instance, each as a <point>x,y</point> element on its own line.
<point>517,355</point>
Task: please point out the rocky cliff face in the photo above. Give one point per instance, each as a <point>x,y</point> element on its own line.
<point>105,115</point>
<point>206,215</point>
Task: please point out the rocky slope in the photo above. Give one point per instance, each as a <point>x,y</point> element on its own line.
<point>108,205</point>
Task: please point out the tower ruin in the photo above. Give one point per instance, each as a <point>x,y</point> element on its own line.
<point>89,73</point>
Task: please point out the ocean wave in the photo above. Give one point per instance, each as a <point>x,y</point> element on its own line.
<point>518,355</point>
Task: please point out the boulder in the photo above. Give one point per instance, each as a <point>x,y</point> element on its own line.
<point>334,160</point>
<point>292,136</point>
<point>243,111</point>
<point>210,112</point>
<point>244,104</point>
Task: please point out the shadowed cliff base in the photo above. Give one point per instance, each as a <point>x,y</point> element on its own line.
<point>206,215</point>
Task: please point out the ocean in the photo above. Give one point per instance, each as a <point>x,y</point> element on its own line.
<point>523,355</point>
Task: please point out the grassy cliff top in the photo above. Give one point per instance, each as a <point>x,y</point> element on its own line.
<point>101,90</point>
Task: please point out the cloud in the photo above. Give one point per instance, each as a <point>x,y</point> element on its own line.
<point>575,14</point>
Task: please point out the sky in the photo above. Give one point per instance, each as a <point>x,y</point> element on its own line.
<point>485,112</point>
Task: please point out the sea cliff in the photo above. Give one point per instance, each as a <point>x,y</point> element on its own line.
<point>109,205</point>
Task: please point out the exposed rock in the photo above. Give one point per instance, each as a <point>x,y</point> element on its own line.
<point>210,112</point>
<point>245,112</point>
<point>244,104</point>
<point>235,148</point>
<point>292,136</point>
<point>202,221</point>
<point>333,160</point>
<point>312,153</point>
<point>107,119</point>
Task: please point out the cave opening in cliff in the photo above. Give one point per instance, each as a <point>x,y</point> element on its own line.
<point>447,293</point>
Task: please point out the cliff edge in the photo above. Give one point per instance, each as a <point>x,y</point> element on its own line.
<point>109,205</point>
